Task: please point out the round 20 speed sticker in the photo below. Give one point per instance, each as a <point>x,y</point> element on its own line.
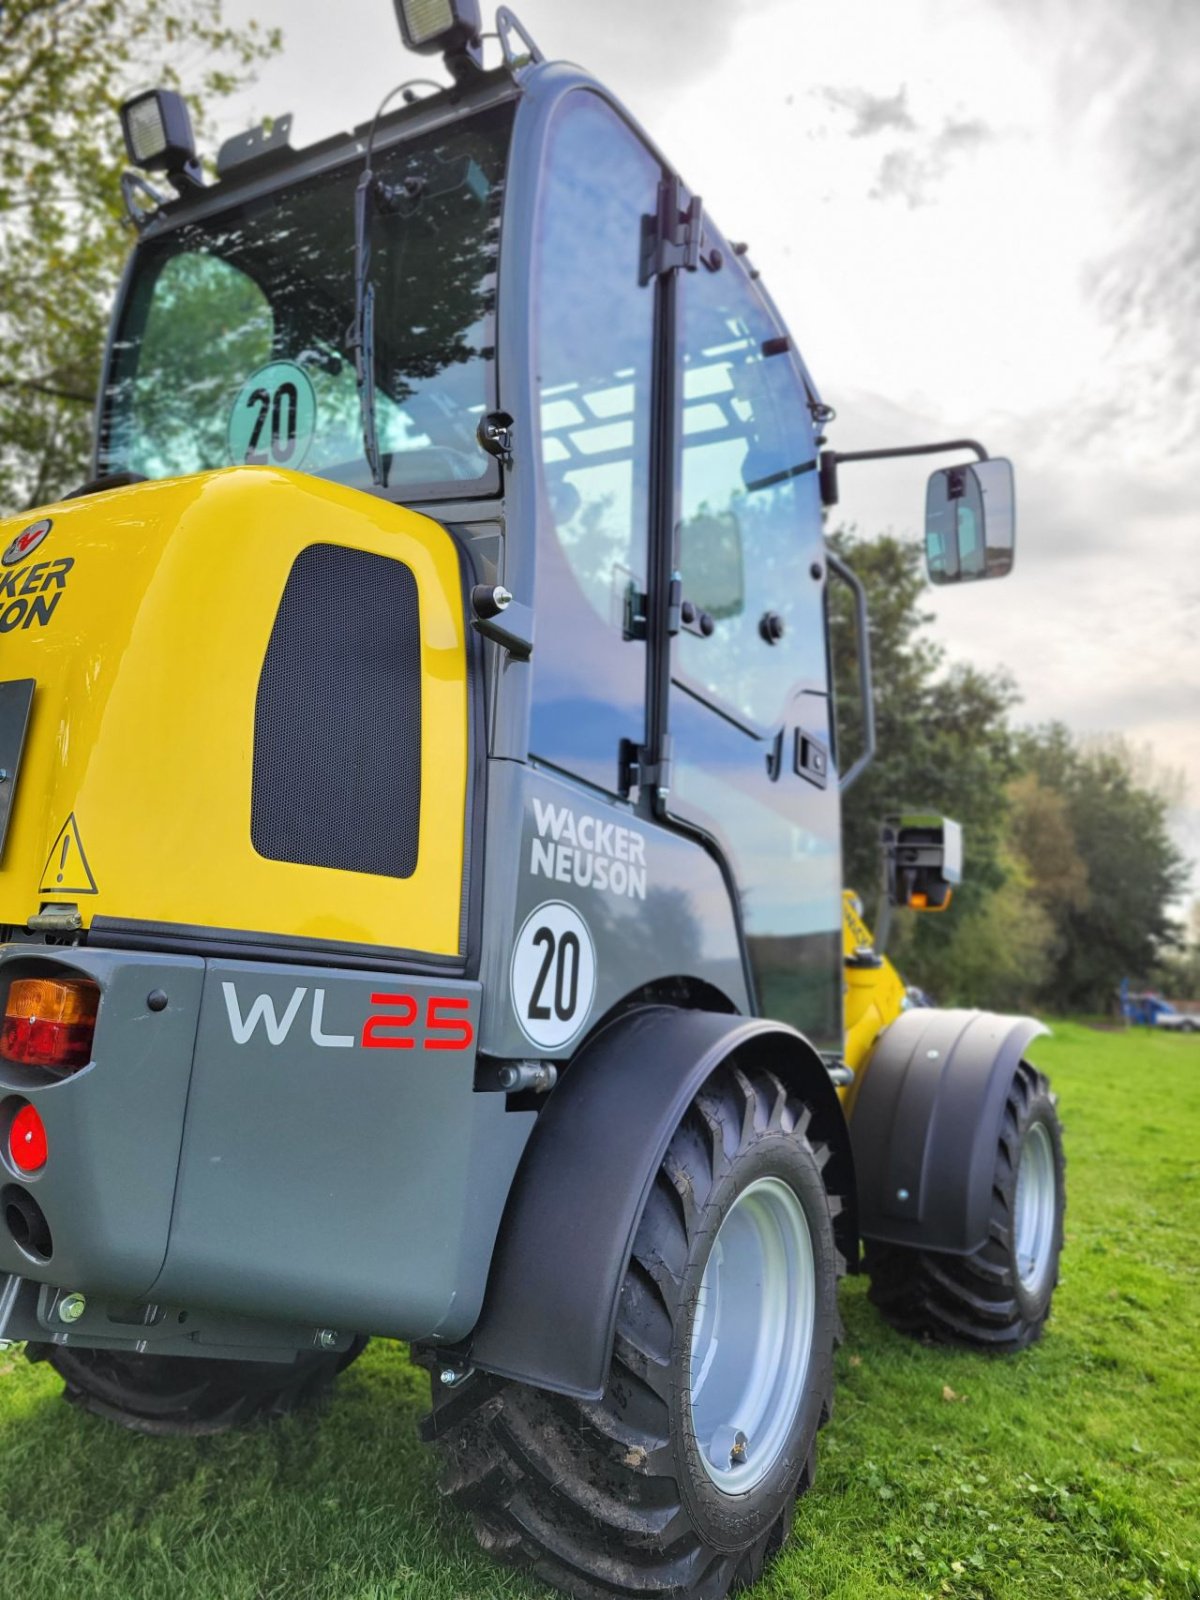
<point>274,417</point>
<point>553,974</point>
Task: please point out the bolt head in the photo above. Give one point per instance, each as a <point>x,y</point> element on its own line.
<point>327,1338</point>
<point>71,1307</point>
<point>901,1194</point>
<point>449,1377</point>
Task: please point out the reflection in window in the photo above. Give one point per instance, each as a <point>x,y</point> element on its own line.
<point>750,503</point>
<point>594,352</point>
<point>271,281</point>
<point>207,328</point>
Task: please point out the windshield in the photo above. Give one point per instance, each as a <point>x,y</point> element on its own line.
<point>236,341</point>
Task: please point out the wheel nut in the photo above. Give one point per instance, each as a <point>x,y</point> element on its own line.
<point>71,1307</point>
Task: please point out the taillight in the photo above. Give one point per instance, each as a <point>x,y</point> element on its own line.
<point>49,1022</point>
<point>27,1140</point>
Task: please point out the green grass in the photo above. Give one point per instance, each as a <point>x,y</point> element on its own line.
<point>1069,1473</point>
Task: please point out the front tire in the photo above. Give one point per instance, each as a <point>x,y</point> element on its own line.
<point>998,1298</point>
<point>684,1476</point>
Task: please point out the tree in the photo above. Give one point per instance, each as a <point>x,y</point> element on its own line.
<point>991,953</point>
<point>65,67</point>
<point>1123,925</point>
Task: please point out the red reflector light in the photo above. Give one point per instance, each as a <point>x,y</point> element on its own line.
<point>49,1022</point>
<point>27,1141</point>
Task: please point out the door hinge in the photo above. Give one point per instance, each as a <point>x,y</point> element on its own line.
<point>671,239</point>
<point>636,610</point>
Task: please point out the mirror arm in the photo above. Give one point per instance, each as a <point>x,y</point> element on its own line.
<point>863,643</point>
<point>832,459</point>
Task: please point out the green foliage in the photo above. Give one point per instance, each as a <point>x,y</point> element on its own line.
<point>65,67</point>
<point>990,953</point>
<point>1065,1473</point>
<point>1119,925</point>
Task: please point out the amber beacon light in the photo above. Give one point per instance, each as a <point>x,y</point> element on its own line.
<point>49,1023</point>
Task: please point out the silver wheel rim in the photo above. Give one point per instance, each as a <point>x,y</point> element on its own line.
<point>1035,1208</point>
<point>752,1335</point>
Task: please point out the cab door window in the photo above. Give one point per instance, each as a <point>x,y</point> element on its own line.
<point>750,524</point>
<point>594,355</point>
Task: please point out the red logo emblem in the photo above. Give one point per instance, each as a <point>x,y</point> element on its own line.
<point>26,542</point>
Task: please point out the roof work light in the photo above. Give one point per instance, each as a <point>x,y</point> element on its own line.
<point>449,26</point>
<point>158,133</point>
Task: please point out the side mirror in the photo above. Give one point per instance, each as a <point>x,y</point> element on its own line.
<point>923,860</point>
<point>970,522</point>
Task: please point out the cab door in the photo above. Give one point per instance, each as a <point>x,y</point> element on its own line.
<point>750,716</point>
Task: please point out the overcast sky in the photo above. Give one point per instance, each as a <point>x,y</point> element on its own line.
<point>978,217</point>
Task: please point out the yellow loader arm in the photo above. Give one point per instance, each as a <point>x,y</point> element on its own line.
<point>874,992</point>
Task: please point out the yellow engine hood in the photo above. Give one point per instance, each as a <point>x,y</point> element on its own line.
<point>143,615</point>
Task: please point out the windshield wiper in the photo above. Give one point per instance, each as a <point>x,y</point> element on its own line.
<point>403,198</point>
<point>362,338</point>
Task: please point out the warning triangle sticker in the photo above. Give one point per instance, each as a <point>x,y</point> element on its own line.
<point>67,870</point>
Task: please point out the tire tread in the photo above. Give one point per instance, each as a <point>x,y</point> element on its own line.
<point>968,1300</point>
<point>583,1494</point>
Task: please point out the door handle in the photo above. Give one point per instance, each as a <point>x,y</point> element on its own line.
<point>810,759</point>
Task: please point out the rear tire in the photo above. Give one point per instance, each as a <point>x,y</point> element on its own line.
<point>614,1497</point>
<point>189,1394</point>
<point>997,1299</point>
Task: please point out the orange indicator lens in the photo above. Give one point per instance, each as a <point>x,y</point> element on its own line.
<point>49,1022</point>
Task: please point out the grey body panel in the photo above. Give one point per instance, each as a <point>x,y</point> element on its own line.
<point>673,919</point>
<point>925,1125</point>
<point>113,1129</point>
<point>318,1179</point>
<point>359,1187</point>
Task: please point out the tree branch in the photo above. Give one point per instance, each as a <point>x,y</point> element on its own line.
<point>54,391</point>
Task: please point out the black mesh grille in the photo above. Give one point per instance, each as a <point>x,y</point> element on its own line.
<point>337,723</point>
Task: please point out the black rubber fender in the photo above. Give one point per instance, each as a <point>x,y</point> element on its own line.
<point>924,1125</point>
<point>551,1304</point>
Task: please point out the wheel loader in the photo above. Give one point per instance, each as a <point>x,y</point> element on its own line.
<point>420,822</point>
